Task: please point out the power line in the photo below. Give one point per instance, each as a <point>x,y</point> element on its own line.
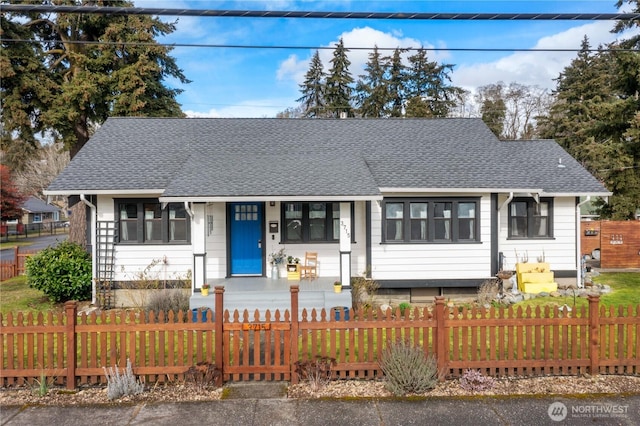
<point>113,10</point>
<point>256,46</point>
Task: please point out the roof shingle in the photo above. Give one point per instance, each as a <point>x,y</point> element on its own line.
<point>289,157</point>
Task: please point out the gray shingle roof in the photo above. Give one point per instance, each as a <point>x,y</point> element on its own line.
<point>295,157</point>
<point>36,205</point>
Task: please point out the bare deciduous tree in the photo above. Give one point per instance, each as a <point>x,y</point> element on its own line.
<point>40,171</point>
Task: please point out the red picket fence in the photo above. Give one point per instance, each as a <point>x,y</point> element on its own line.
<point>73,349</point>
<point>15,267</point>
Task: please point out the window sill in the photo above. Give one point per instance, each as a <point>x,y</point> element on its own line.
<point>424,243</point>
<point>530,238</point>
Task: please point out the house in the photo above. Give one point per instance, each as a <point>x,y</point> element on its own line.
<point>36,210</point>
<point>425,206</point>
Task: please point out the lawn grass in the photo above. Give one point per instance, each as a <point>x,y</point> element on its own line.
<point>625,290</point>
<point>16,296</point>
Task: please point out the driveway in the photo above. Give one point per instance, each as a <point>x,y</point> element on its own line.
<point>38,244</point>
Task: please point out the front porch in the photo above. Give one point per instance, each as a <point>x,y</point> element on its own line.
<point>264,294</point>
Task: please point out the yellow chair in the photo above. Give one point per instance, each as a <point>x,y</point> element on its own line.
<point>309,270</point>
<point>535,278</point>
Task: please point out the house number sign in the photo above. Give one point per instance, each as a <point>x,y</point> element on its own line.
<point>616,239</point>
<point>257,327</point>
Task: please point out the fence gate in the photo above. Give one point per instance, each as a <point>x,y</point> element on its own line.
<point>256,350</point>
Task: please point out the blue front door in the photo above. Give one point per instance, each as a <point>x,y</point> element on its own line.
<point>246,230</point>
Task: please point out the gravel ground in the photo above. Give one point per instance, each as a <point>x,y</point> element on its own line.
<point>336,389</point>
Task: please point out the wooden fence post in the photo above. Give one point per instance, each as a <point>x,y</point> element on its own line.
<point>71,310</point>
<point>594,334</point>
<point>440,340</point>
<point>16,252</point>
<point>219,330</point>
<point>293,341</point>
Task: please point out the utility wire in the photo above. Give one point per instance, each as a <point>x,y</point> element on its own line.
<point>113,10</point>
<point>255,46</point>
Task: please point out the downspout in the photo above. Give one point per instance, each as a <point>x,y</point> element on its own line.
<point>579,282</point>
<point>188,209</point>
<point>94,251</point>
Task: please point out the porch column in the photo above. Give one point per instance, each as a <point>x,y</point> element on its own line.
<point>199,244</point>
<point>345,244</point>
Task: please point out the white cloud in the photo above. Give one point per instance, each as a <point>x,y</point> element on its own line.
<point>295,68</point>
<point>260,108</point>
<point>534,68</point>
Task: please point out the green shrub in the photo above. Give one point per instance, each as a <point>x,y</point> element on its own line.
<point>408,370</point>
<point>404,306</point>
<point>62,272</point>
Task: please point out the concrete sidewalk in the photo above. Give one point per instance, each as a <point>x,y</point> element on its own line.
<point>604,410</point>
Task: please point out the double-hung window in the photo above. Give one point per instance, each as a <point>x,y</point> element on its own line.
<point>311,221</point>
<point>530,219</point>
<point>430,220</point>
<point>146,222</point>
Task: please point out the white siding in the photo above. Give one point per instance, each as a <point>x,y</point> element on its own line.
<point>559,252</point>
<point>432,261</point>
<point>171,261</point>
<point>328,253</point>
<point>216,235</point>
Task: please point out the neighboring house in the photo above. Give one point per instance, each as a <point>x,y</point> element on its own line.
<point>36,211</point>
<point>429,205</point>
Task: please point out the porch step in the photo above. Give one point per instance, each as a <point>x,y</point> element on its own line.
<point>273,300</point>
<point>256,390</point>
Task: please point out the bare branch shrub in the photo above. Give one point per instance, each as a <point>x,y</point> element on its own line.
<point>202,375</point>
<point>316,372</point>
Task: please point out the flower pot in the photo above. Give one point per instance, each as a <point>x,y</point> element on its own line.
<point>204,291</point>
<point>337,288</point>
<point>275,273</point>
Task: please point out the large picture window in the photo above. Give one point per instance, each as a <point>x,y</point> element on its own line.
<point>146,222</point>
<point>311,222</point>
<point>431,220</point>
<point>530,219</point>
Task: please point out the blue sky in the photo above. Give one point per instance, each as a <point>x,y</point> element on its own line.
<point>252,82</point>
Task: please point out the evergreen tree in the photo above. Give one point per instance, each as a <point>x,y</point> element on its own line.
<point>595,117</point>
<point>622,25</point>
<point>313,90</point>
<point>83,68</point>
<point>395,83</point>
<point>79,69</point>
<point>338,83</point>
<point>371,93</point>
<point>428,93</point>
<point>493,109</point>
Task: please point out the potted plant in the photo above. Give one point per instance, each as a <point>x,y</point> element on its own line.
<point>292,263</point>
<point>205,289</point>
<point>276,258</point>
<point>337,287</point>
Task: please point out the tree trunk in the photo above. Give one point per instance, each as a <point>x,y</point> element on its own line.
<point>78,225</point>
<point>78,219</point>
